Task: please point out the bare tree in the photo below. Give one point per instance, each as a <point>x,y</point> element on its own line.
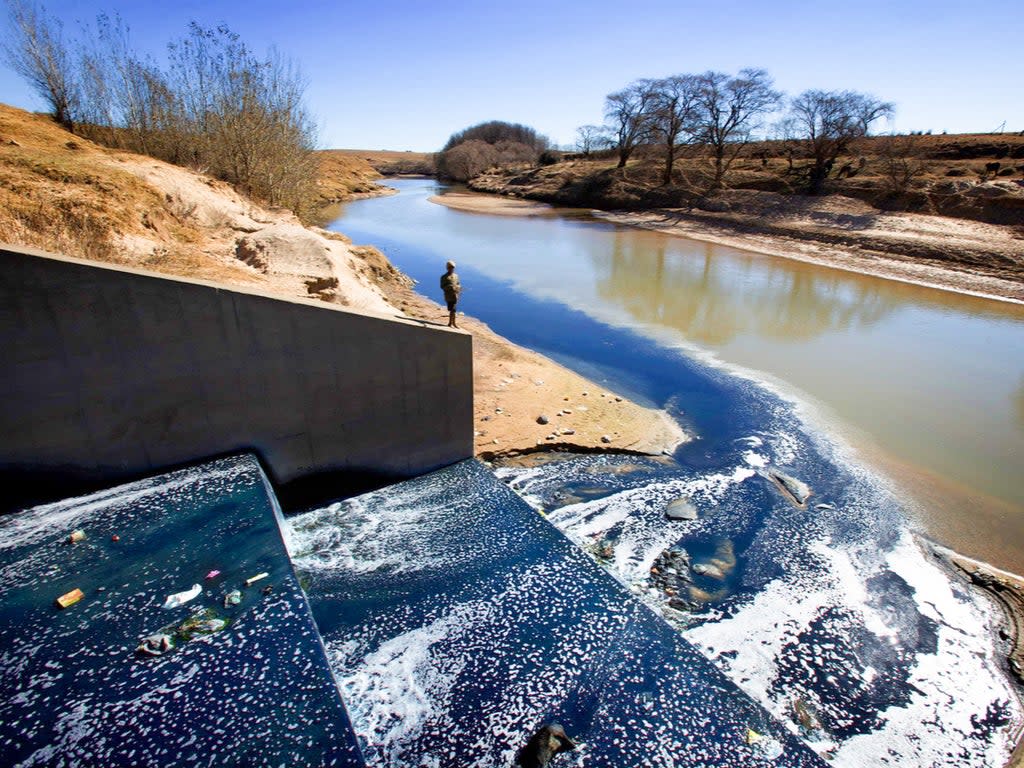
<point>731,108</point>
<point>244,116</point>
<point>628,115</point>
<point>126,101</point>
<point>473,150</point>
<point>673,116</point>
<point>902,160</point>
<point>589,138</point>
<point>787,133</point>
<point>869,109</point>
<point>829,121</point>
<point>218,106</point>
<point>467,159</point>
<point>36,51</point>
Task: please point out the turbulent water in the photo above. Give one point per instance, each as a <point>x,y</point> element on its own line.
<point>832,616</point>
<point>254,690</point>
<point>457,621</point>
<point>829,614</point>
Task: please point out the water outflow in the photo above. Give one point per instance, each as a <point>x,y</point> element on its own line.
<point>828,613</point>
<point>458,622</point>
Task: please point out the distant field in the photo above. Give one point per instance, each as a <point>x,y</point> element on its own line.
<point>389,162</point>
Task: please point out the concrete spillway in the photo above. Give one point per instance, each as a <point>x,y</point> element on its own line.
<point>455,619</point>
<point>73,689</point>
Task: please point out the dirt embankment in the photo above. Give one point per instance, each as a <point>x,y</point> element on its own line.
<point>63,194</point>
<point>955,254</point>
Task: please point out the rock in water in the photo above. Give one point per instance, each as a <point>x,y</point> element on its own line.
<point>709,570</point>
<point>544,745</point>
<point>670,571</point>
<point>681,509</point>
<point>799,490</point>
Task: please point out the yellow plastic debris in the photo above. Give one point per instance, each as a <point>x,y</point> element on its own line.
<point>753,736</point>
<point>70,598</point>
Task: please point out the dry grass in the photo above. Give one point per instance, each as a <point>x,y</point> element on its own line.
<point>349,173</point>
<point>392,162</point>
<point>62,193</point>
<point>65,194</point>
<point>343,175</point>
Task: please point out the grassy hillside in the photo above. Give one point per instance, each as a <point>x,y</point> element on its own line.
<point>62,193</point>
<point>65,194</point>
<point>391,162</point>
<point>343,175</point>
<point>347,173</point>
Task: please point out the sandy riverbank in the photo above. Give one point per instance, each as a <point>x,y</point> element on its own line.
<point>473,202</point>
<point>832,231</point>
<point>514,389</point>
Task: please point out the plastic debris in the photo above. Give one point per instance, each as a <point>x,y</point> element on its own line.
<point>70,598</point>
<point>76,535</point>
<point>155,645</point>
<point>212,574</point>
<point>764,747</point>
<point>115,537</point>
<point>180,598</point>
<point>203,623</point>
<point>234,597</point>
<point>253,579</point>
<point>267,589</point>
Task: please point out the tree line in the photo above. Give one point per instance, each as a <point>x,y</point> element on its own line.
<point>719,112</point>
<point>215,106</point>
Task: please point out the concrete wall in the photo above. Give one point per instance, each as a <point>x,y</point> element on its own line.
<point>111,373</point>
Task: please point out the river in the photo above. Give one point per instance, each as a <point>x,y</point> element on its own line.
<point>899,406</point>
<point>926,385</point>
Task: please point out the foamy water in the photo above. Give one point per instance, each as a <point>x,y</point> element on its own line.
<point>503,625</point>
<point>836,612</point>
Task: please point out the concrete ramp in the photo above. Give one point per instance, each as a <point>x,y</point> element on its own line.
<point>457,621</point>
<point>243,684</point>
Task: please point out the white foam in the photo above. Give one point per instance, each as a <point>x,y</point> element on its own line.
<point>37,523</point>
<point>951,686</point>
<point>397,687</point>
<point>755,459</point>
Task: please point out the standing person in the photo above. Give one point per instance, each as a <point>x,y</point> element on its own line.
<point>451,287</point>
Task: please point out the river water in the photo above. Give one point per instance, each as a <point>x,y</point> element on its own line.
<point>927,385</point>
<point>827,613</point>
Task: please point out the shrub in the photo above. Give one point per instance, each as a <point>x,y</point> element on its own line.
<point>470,152</point>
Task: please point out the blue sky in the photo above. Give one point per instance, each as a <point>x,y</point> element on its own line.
<point>400,74</point>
